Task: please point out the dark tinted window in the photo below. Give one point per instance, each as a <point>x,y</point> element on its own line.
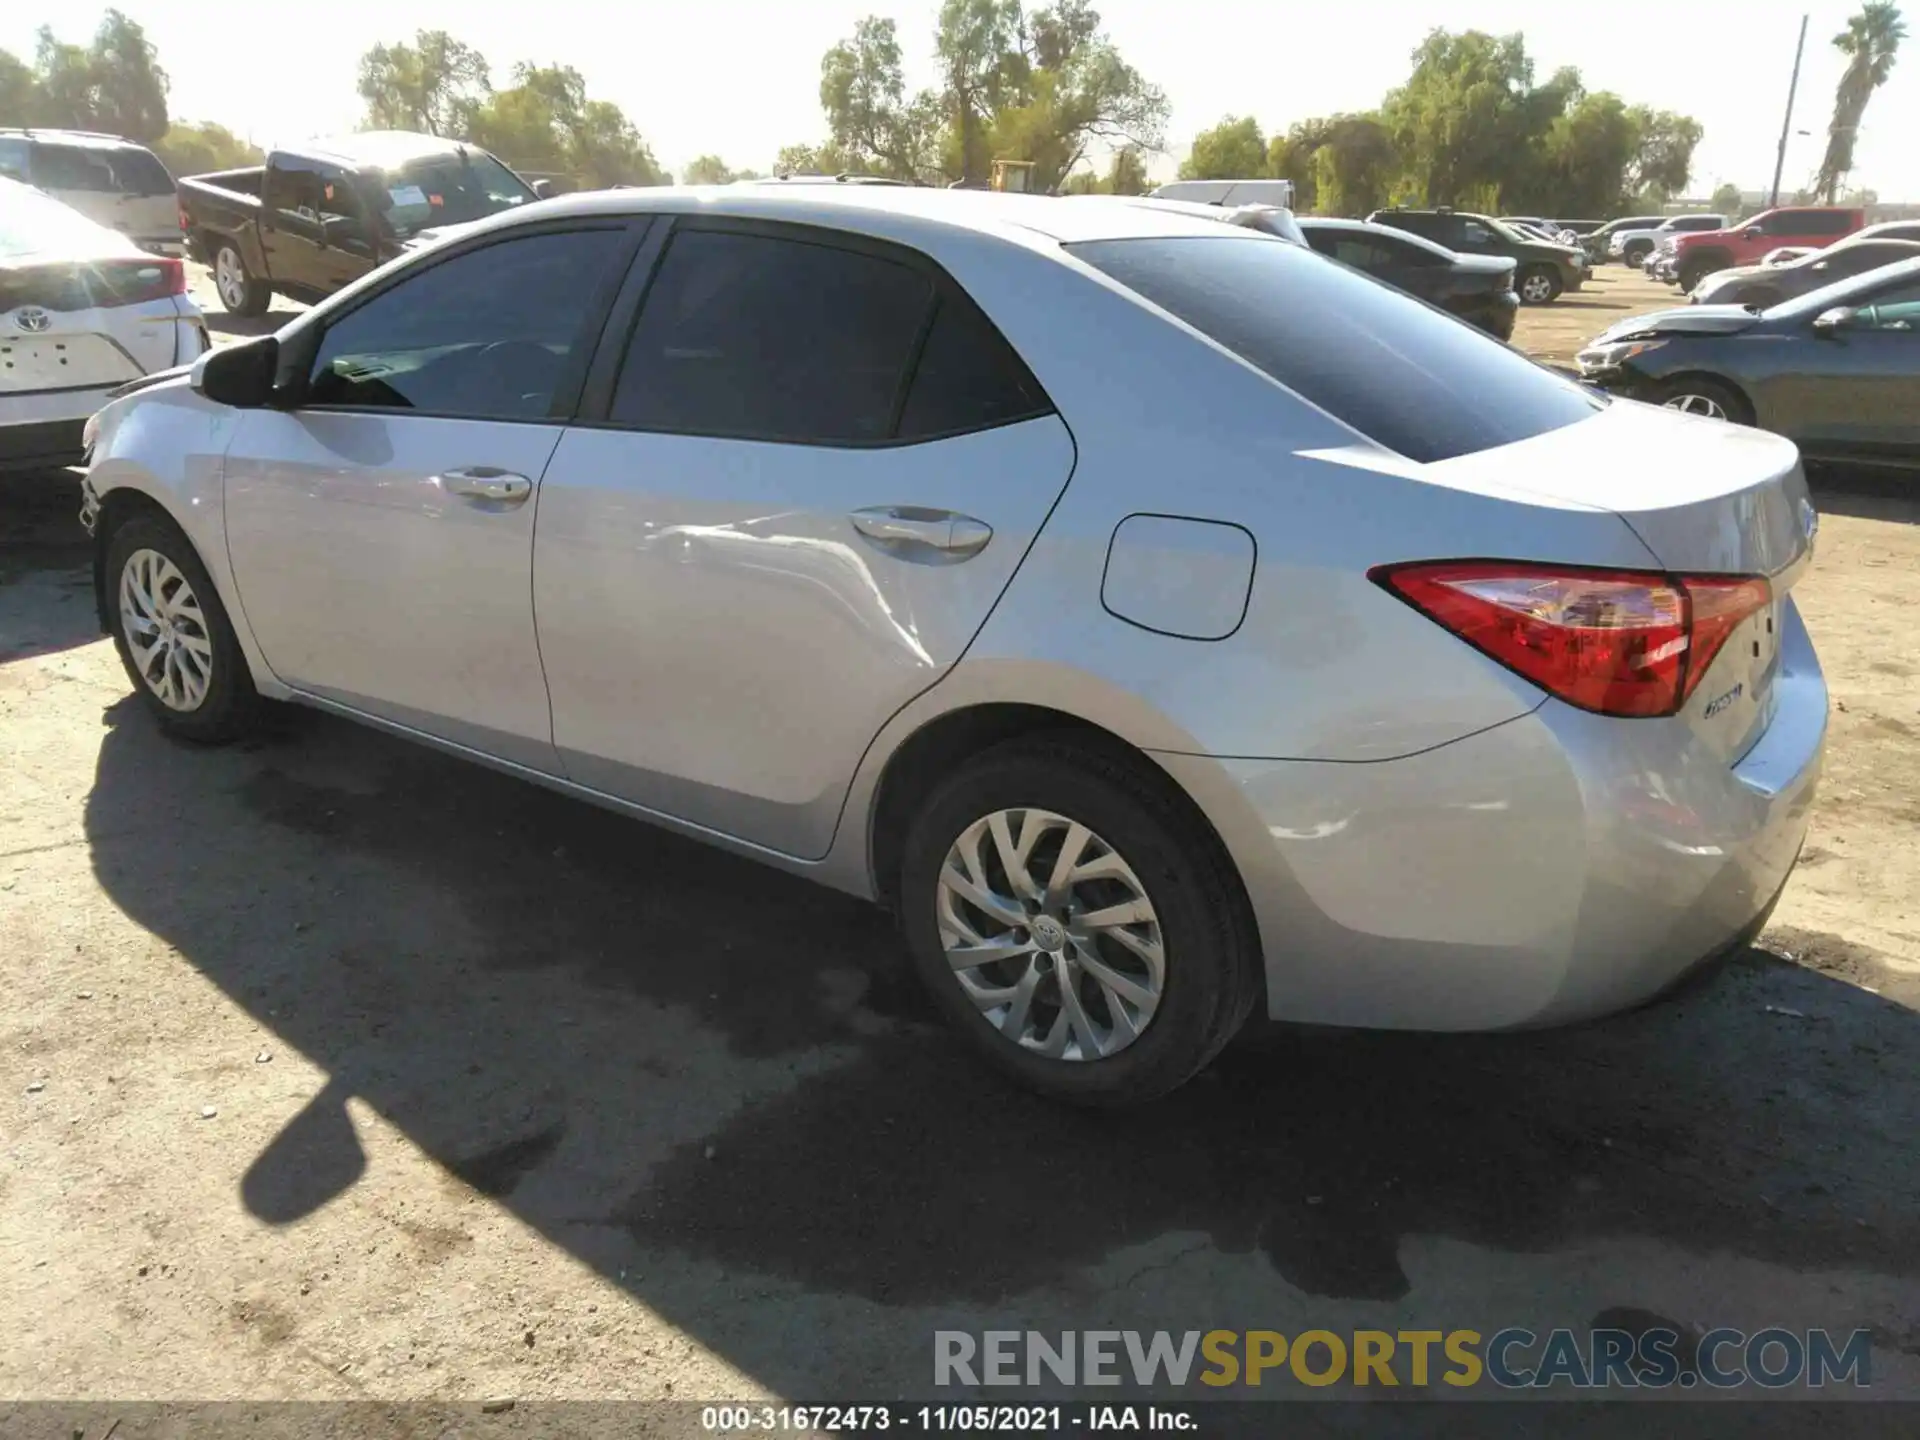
<point>72,167</point>
<point>1407,376</point>
<point>1826,222</point>
<point>1858,259</point>
<point>968,377</point>
<point>1431,226</point>
<point>141,173</point>
<point>774,339</point>
<point>446,190</point>
<point>492,334</point>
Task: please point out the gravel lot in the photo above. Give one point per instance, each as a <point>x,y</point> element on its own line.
<point>333,1068</point>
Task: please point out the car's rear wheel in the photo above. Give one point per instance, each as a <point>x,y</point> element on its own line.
<point>1694,271</point>
<point>1701,395</point>
<point>240,290</point>
<point>1076,922</point>
<point>1636,253</point>
<point>1539,285</point>
<point>173,634</point>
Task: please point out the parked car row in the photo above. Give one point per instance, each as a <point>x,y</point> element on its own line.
<point>1543,270</point>
<point>1099,587</point>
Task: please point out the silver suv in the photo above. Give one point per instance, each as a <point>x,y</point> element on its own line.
<point>111,181</point>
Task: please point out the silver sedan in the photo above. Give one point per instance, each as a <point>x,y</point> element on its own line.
<point>1161,620</point>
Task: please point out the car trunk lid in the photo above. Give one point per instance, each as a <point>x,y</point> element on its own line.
<point>1705,498</point>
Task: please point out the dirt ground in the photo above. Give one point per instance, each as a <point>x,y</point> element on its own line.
<point>330,1067</point>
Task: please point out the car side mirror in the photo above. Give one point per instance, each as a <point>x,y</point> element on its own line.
<point>543,189</point>
<point>238,375</point>
<point>1753,232</point>
<point>1829,322</point>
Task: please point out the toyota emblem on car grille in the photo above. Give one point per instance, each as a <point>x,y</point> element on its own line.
<point>32,319</point>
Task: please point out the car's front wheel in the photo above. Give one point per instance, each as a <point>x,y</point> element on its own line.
<point>173,634</point>
<point>240,290</point>
<point>1539,285</point>
<point>1076,921</point>
<point>1705,396</point>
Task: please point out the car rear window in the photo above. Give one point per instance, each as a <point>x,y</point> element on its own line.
<point>1405,375</point>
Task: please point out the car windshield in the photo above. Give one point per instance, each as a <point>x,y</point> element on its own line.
<point>1407,376</point>
<point>34,224</point>
<point>449,189</point>
<point>1844,292</point>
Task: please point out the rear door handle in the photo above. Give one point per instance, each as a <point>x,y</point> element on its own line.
<point>485,482</point>
<point>914,532</point>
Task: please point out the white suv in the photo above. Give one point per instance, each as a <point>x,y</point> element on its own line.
<point>111,181</point>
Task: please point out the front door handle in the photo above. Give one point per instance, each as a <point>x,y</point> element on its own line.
<point>915,533</point>
<point>485,482</point>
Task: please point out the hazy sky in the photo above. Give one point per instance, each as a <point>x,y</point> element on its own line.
<point>740,77</point>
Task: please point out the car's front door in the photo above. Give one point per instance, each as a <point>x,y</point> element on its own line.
<point>1861,394</point>
<point>381,533</point>
<point>819,468</point>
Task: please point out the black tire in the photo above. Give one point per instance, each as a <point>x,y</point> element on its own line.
<point>1211,950</point>
<point>230,704</point>
<point>1734,406</point>
<point>1543,281</point>
<point>244,293</point>
<point>1694,270</point>
<point>1636,253</point>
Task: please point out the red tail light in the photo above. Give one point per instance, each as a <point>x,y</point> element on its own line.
<point>186,220</point>
<point>129,282</point>
<point>1616,642</point>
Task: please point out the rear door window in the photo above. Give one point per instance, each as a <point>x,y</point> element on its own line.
<point>770,337</point>
<point>968,377</point>
<point>1406,376</point>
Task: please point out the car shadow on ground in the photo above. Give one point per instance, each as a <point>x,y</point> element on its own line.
<point>676,1065</point>
<point>1867,494</point>
<point>46,584</point>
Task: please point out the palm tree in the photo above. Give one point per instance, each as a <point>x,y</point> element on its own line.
<point>1869,42</point>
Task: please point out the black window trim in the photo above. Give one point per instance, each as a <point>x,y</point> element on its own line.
<point>603,377</point>
<point>298,354</point>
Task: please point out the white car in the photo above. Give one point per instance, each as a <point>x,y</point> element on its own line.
<point>82,310</point>
<point>1631,247</point>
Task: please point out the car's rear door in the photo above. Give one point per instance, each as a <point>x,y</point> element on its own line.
<point>794,495</point>
<point>1855,389</point>
<point>381,533</point>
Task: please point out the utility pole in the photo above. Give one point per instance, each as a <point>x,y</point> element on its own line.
<point>1786,125</point>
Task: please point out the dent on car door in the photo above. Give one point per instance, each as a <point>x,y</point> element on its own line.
<point>818,470</point>
<point>381,533</point>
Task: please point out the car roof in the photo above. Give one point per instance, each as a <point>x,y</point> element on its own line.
<point>80,139</point>
<point>1368,227</point>
<point>379,149</point>
<point>904,210</point>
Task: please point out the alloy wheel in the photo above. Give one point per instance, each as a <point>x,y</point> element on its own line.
<point>1536,289</point>
<point>1050,934</point>
<point>166,630</point>
<point>1691,404</point>
<point>230,278</point>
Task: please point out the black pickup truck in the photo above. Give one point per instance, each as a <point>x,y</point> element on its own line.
<point>318,216</point>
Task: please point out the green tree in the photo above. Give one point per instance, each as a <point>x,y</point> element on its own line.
<point>64,92</point>
<point>545,123</point>
<point>189,149</point>
<point>1074,91</point>
<point>1460,122</point>
<point>1353,166</point>
<point>1584,157</point>
<point>974,42</point>
<point>1232,150</point>
<point>19,89</point>
<point>1291,157</point>
<point>129,87</point>
<point>1726,201</point>
<point>1127,175</point>
<point>434,84</point>
<point>1870,42</point>
<point>869,119</point>
<point>712,170</point>
<point>1662,161</point>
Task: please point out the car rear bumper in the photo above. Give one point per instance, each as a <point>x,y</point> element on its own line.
<point>1494,312</point>
<point>1553,868</point>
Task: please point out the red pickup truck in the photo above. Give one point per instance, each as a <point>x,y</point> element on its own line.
<point>1813,226</point>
